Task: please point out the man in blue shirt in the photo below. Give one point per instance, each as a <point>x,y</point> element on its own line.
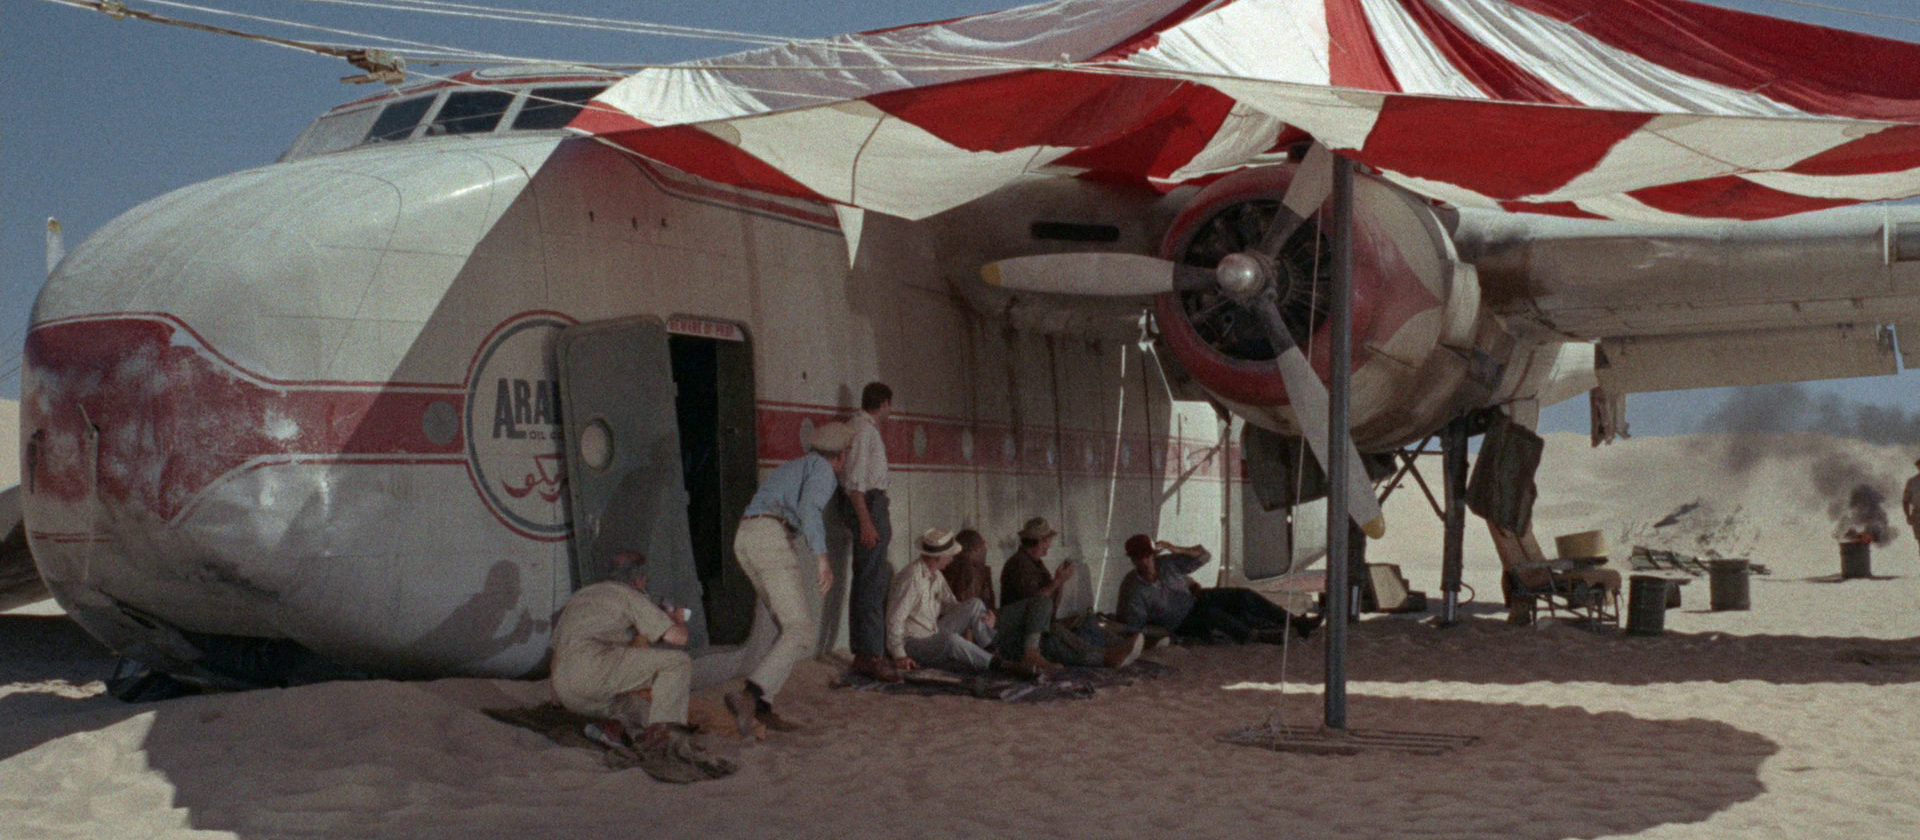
<point>1158,591</point>
<point>781,527</point>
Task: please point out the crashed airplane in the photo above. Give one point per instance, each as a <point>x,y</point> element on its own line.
<point>385,403</point>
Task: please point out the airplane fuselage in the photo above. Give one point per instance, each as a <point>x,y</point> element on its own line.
<point>318,401</point>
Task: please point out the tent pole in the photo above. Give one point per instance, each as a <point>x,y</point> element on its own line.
<point>1339,529</point>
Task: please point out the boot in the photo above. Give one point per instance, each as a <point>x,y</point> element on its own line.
<point>1039,664</point>
<point>740,704</point>
<point>772,720</point>
<point>1305,625</point>
<point>684,745</point>
<point>876,667</point>
<point>1018,669</point>
<point>661,758</point>
<point>1120,654</point>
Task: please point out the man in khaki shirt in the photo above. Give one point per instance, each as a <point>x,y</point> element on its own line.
<point>602,660</point>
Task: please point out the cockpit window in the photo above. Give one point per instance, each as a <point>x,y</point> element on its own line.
<point>470,112</point>
<point>553,107</point>
<point>398,120</point>
<point>479,109</point>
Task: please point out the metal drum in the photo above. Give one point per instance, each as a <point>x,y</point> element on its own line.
<point>1856,560</point>
<point>1647,605</point>
<point>1729,581</point>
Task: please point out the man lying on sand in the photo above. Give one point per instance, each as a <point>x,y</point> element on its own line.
<point>1158,592</point>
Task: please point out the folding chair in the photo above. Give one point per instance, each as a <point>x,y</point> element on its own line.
<point>1576,585</point>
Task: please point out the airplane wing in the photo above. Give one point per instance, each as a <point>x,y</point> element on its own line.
<point>1650,110</point>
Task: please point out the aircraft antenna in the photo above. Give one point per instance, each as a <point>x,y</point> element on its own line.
<point>56,244</point>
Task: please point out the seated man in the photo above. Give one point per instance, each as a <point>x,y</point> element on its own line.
<point>968,574</point>
<point>1158,591</point>
<point>601,664</point>
<point>926,625</point>
<point>1029,596</point>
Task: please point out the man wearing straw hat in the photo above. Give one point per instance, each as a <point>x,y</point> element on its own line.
<point>926,624</point>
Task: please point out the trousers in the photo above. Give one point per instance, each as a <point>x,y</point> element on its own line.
<point>1029,624</point>
<point>872,577</point>
<point>949,647</point>
<point>600,681</point>
<point>776,566</point>
<point>1236,612</point>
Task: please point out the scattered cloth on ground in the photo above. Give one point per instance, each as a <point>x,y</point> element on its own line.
<point>1068,683</point>
<point>566,728</point>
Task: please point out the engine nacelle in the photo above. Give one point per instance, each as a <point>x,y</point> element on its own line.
<point>1422,351</point>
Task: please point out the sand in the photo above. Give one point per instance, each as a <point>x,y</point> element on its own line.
<point>1794,719</point>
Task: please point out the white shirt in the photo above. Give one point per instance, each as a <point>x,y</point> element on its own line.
<point>866,467</point>
<point>913,610</point>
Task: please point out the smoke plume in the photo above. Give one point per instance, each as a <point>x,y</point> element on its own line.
<point>1792,408</point>
<point>1786,422</point>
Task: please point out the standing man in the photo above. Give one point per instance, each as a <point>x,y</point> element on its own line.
<point>782,526</point>
<point>1910,502</point>
<point>865,483</point>
<point>604,656</point>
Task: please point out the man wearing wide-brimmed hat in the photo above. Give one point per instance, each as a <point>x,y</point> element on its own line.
<point>926,624</point>
<point>1029,596</point>
<point>1025,576</point>
<point>781,527</point>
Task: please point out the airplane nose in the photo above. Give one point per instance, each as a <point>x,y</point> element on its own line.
<point>194,361</point>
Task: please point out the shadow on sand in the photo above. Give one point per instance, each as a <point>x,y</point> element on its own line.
<point>47,668</point>
<point>419,760</point>
<point>1490,651</point>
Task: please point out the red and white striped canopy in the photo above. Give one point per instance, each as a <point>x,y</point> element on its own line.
<point>1627,109</point>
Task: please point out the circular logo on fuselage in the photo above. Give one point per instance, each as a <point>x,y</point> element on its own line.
<point>513,426</point>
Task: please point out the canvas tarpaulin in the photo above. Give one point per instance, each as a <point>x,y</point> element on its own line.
<point>1654,110</point>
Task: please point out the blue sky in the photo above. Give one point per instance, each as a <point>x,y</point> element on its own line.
<point>100,115</point>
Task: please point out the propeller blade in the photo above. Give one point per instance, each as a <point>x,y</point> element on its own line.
<point>1312,183</point>
<point>1099,273</point>
<point>1310,401</point>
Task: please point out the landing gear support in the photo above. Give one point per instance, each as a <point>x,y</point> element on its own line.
<point>1453,445</point>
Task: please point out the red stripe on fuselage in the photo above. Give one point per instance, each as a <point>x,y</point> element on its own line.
<point>175,418</point>
<point>169,415</point>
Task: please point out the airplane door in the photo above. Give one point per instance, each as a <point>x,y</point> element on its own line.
<point>624,481</point>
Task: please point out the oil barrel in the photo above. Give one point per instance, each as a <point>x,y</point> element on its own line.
<point>1646,605</point>
<point>1729,579</point>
